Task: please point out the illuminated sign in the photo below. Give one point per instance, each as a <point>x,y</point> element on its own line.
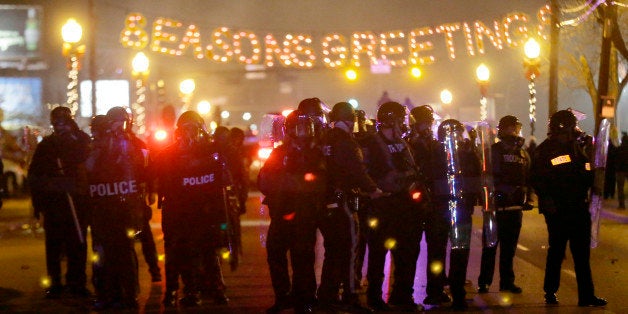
<point>109,93</point>
<point>20,100</point>
<point>20,31</point>
<point>398,48</point>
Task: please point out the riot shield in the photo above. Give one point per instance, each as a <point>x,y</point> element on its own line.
<point>455,184</point>
<point>483,143</point>
<point>600,151</point>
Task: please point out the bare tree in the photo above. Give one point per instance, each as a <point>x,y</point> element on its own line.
<point>582,40</point>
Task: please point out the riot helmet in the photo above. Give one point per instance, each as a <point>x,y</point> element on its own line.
<point>119,119</point>
<point>450,126</point>
<point>299,127</point>
<point>317,110</point>
<point>391,114</point>
<point>423,118</point>
<point>61,120</point>
<point>99,126</point>
<point>562,122</point>
<point>190,127</point>
<point>506,122</point>
<point>342,111</point>
<point>423,113</point>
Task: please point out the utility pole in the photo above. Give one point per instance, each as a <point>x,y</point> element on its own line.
<point>553,67</point>
<point>610,14</point>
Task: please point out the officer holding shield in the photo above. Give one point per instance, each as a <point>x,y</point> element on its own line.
<point>510,168</point>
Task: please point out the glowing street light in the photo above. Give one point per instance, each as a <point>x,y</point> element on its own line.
<point>416,72</point>
<point>140,72</point>
<point>483,74</point>
<point>203,107</point>
<point>446,97</point>
<point>72,32</point>
<point>225,114</point>
<point>351,74</point>
<point>246,116</point>
<point>532,51</point>
<point>187,87</point>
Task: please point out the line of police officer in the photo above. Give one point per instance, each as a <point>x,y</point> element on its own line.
<point>108,185</point>
<point>412,183</point>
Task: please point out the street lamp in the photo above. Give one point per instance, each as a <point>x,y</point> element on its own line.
<point>140,72</point>
<point>446,97</point>
<point>483,74</point>
<point>71,32</point>
<point>532,51</point>
<point>203,107</point>
<point>187,87</point>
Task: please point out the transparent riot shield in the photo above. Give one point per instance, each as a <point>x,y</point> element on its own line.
<point>483,143</point>
<point>271,129</point>
<point>452,142</point>
<point>600,151</point>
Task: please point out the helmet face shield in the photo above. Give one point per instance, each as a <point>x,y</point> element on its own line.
<point>303,128</point>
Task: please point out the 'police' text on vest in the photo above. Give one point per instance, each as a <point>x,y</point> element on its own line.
<point>113,188</point>
<point>190,181</point>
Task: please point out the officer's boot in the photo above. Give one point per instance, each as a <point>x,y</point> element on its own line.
<point>170,299</point>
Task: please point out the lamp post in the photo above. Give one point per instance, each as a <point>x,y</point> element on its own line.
<point>187,87</point>
<point>482,74</point>
<point>140,72</point>
<point>71,32</point>
<point>532,51</point>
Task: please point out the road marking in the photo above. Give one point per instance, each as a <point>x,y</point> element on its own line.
<point>243,223</point>
<point>523,248</point>
<point>569,272</point>
<point>255,223</point>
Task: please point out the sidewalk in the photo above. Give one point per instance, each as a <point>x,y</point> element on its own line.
<point>610,211</point>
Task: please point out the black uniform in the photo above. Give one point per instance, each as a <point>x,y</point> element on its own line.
<point>347,176</point>
<point>56,175</point>
<point>391,165</point>
<point>434,221</point>
<point>190,187</point>
<point>510,168</point>
<point>561,176</point>
<point>293,182</point>
<point>117,176</point>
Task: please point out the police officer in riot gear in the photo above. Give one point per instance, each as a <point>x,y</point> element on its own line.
<point>510,168</point>
<point>395,217</point>
<point>190,182</point>
<point>561,176</point>
<point>361,202</point>
<point>58,185</point>
<point>434,222</point>
<point>347,177</point>
<point>293,182</point>
<point>117,175</point>
<point>457,154</point>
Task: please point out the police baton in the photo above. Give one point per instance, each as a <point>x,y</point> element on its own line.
<point>72,207</point>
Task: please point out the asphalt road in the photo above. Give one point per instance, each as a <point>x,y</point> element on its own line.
<point>22,268</point>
